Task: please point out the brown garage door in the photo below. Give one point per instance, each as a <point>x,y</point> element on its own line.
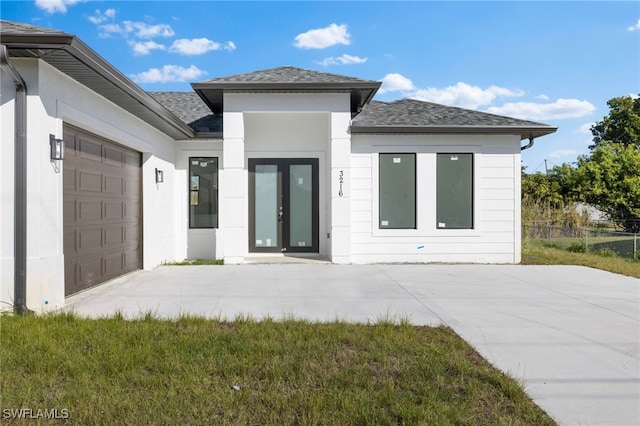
<point>102,229</point>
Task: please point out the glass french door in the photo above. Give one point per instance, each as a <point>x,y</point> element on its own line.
<point>283,205</point>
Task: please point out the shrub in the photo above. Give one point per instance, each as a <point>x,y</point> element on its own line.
<point>607,252</point>
<point>577,248</point>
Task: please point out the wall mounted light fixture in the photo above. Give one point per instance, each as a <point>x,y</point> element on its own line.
<point>159,176</point>
<point>57,148</point>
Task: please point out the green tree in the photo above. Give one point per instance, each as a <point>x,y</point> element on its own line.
<point>609,179</point>
<point>622,125</point>
<point>552,188</point>
<point>549,199</point>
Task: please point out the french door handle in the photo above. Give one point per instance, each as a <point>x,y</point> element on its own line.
<point>280,214</point>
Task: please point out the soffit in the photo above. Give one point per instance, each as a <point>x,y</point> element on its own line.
<point>74,58</point>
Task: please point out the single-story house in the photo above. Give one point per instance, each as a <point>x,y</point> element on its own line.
<point>100,178</point>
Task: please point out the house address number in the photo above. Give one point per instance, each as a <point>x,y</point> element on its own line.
<point>340,184</point>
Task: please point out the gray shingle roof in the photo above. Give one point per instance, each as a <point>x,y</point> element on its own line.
<point>402,116</point>
<point>287,79</point>
<point>413,116</point>
<point>191,109</point>
<point>288,75</point>
<point>10,27</point>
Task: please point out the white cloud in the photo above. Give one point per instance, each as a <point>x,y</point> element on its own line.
<point>464,95</point>
<point>560,109</point>
<point>323,37</point>
<point>635,27</point>
<point>144,48</point>
<point>53,6</point>
<point>139,29</point>
<point>543,97</point>
<point>393,82</point>
<point>563,153</point>
<point>168,74</point>
<point>342,60</point>
<point>100,17</point>
<point>198,46</point>
<point>585,129</point>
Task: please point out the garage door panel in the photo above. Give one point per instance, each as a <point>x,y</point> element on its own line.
<point>130,187</point>
<point>70,245</point>
<point>89,211</point>
<point>130,239</point>
<point>71,275</point>
<point>69,176</point>
<point>90,181</point>
<point>131,161</point>
<point>132,260</point>
<point>102,220</point>
<point>90,272</point>
<point>71,144</point>
<point>114,210</point>
<point>113,264</point>
<point>90,239</point>
<point>90,149</point>
<point>131,212</point>
<point>69,213</point>
<point>114,185</point>
<point>113,156</point>
<point>113,236</point>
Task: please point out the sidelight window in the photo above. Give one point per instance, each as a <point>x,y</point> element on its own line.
<point>203,192</point>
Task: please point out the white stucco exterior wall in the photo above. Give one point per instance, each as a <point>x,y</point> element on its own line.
<point>283,125</point>
<point>340,230</point>
<point>197,243</point>
<point>7,205</point>
<point>55,99</point>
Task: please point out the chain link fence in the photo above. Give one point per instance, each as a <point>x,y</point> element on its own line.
<point>599,241</point>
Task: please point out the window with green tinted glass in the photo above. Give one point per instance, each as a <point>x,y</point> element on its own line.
<point>203,192</point>
<point>454,196</point>
<point>397,198</point>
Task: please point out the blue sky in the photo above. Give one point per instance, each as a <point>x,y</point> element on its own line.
<point>552,62</point>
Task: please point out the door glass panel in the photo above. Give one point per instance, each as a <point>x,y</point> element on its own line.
<point>266,205</point>
<point>300,205</point>
<point>203,192</point>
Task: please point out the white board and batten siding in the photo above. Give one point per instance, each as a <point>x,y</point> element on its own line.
<point>495,237</point>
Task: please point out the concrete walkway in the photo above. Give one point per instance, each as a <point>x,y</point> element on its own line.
<point>571,334</point>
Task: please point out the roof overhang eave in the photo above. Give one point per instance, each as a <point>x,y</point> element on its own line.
<point>525,132</point>
<point>212,93</point>
<point>88,59</point>
<point>209,135</point>
<point>265,86</point>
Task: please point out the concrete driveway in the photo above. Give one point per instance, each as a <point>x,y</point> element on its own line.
<point>570,334</point>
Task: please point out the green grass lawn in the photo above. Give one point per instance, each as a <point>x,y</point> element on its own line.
<point>195,371</point>
<point>621,246</point>
<point>535,253</point>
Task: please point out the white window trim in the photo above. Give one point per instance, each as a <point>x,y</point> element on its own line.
<point>426,160</point>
